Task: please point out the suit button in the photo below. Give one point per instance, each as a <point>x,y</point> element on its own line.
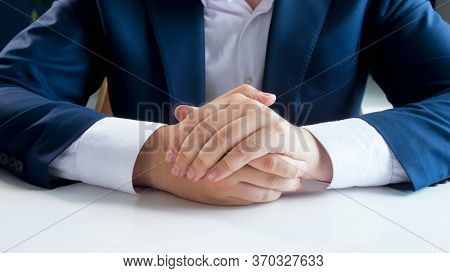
<point>18,166</point>
<point>3,159</point>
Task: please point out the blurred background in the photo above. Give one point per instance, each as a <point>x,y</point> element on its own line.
<point>15,15</point>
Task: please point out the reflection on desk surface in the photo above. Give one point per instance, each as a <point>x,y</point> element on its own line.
<point>83,218</point>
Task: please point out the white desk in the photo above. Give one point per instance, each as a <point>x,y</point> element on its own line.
<point>82,218</point>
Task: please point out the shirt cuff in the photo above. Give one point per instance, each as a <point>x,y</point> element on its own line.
<point>359,154</point>
<point>105,154</point>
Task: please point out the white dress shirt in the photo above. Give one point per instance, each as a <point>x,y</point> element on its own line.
<point>235,50</point>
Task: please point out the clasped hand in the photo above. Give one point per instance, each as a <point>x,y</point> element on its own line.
<point>234,150</point>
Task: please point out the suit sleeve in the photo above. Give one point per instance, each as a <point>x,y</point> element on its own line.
<point>47,74</point>
<point>409,56</point>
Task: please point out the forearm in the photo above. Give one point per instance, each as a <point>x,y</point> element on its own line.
<point>36,130</point>
<point>42,95</point>
<point>419,136</point>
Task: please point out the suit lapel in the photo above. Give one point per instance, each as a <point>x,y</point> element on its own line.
<point>179,30</point>
<point>294,31</point>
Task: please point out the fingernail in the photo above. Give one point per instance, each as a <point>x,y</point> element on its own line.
<point>183,114</point>
<point>212,175</point>
<point>190,173</point>
<point>176,170</point>
<point>170,156</point>
<point>268,95</point>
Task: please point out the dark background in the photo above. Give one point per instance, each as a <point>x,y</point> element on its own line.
<point>13,20</point>
<point>15,15</point>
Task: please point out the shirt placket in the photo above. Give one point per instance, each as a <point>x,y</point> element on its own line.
<point>244,71</point>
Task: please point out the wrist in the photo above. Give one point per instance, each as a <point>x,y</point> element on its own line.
<point>319,162</point>
<point>150,163</point>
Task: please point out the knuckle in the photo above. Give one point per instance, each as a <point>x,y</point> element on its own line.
<point>202,130</point>
<point>237,97</point>
<point>272,181</point>
<point>187,145</point>
<point>221,137</point>
<point>251,145</point>
<point>199,164</point>
<point>174,144</point>
<point>241,151</point>
<point>226,165</point>
<point>182,157</point>
<point>271,163</point>
<point>189,122</point>
<point>186,127</point>
<point>246,87</point>
<point>236,128</point>
<point>208,110</point>
<point>248,97</point>
<point>268,195</point>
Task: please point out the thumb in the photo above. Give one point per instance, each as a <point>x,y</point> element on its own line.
<point>182,111</point>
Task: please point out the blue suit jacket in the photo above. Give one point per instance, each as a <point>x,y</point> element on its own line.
<point>319,55</point>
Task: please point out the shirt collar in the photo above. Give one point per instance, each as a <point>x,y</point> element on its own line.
<point>264,6</point>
